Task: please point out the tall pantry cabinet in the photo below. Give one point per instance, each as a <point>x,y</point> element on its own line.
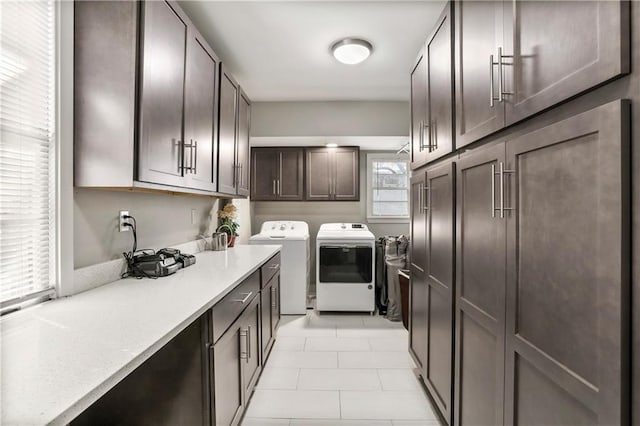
<point>521,280</point>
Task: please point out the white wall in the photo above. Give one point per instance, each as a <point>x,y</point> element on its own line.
<point>330,119</point>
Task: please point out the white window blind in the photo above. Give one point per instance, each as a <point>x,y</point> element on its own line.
<point>387,187</point>
<point>27,149</point>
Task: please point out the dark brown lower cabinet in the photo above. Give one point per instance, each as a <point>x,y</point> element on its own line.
<point>480,290</point>
<point>439,283</point>
<point>568,249</point>
<point>543,276</point>
<point>270,308</point>
<point>170,388</point>
<point>236,366</point>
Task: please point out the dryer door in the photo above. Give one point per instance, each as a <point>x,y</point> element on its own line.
<point>345,263</point>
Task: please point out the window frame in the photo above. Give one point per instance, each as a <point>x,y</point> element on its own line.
<point>388,156</point>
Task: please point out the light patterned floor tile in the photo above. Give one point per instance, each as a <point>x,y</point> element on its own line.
<point>289,343</point>
<point>294,404</point>
<point>374,360</point>
<point>402,379</point>
<point>338,379</point>
<point>264,422</point>
<point>336,344</point>
<point>389,344</point>
<point>278,378</point>
<point>298,422</point>
<point>385,405</point>
<point>303,360</point>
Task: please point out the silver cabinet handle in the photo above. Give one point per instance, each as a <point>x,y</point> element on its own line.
<point>426,203</point>
<point>244,352</point>
<point>243,301</point>
<point>493,190</point>
<point>278,182</point>
<point>180,155</point>
<point>248,343</point>
<point>276,266</point>
<point>420,190</point>
<point>274,187</point>
<point>424,126</point>
<point>195,157</point>
<point>502,173</point>
<point>273,298</point>
<point>501,64</point>
<point>491,97</point>
<point>421,136</point>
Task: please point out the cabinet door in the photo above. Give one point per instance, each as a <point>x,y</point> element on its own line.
<point>568,263</point>
<point>561,49</point>
<point>478,35</point>
<point>346,174</point>
<point>264,174</point>
<point>418,285</point>
<point>244,125</point>
<point>227,170</point>
<point>440,248</point>
<point>290,185</point>
<point>275,305</point>
<point>439,51</point>
<point>266,327</point>
<point>480,290</point>
<point>418,111</point>
<point>318,175</point>
<point>227,380</point>
<point>199,108</point>
<point>167,389</point>
<point>161,145</point>
<point>252,364</point>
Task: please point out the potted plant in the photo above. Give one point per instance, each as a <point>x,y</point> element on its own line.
<point>227,224</point>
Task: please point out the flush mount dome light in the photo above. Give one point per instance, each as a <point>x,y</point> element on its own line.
<point>351,51</point>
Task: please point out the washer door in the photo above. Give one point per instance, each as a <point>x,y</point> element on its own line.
<point>346,263</point>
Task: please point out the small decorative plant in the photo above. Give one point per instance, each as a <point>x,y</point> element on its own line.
<point>227,223</point>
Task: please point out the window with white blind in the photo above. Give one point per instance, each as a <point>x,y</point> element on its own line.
<point>27,150</point>
<point>387,188</point>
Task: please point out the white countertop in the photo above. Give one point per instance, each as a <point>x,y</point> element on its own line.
<point>59,357</point>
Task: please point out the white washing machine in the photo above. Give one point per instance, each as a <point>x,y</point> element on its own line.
<point>295,261</point>
<point>345,267</point>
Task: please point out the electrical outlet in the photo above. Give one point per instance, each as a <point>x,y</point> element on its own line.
<point>194,216</point>
<point>122,220</point>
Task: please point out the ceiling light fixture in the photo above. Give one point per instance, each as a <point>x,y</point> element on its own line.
<point>351,51</point>
<point>331,145</point>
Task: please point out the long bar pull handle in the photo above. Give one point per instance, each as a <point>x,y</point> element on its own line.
<point>420,190</point>
<point>195,157</point>
<point>244,353</point>
<point>426,202</point>
<point>274,187</point>
<point>503,171</point>
<point>421,136</point>
<point>501,190</point>
<point>248,343</point>
<point>243,301</point>
<point>424,126</point>
<point>274,303</point>
<point>501,64</point>
<point>493,190</point>
<point>278,181</point>
<point>491,97</point>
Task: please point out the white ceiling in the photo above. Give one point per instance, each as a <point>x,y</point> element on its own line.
<point>280,51</point>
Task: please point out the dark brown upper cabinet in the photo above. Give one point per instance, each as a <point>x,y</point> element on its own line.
<point>517,58</point>
<point>277,174</point>
<point>161,146</point>
<point>200,109</point>
<point>158,126</point>
<point>333,174</point>
<point>227,166</point>
<point>242,156</point>
<point>233,150</point>
<point>478,35</point>
<point>432,92</point>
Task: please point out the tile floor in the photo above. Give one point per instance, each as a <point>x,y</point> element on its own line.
<point>339,370</point>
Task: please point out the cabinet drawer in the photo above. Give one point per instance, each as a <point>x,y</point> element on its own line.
<point>228,309</point>
<point>269,269</point>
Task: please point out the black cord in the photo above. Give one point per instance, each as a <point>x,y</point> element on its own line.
<point>132,268</point>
